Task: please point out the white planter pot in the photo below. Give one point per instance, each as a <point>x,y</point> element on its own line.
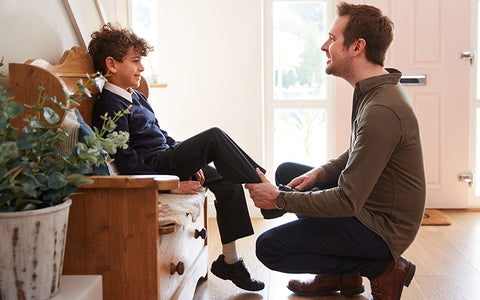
<point>32,246</point>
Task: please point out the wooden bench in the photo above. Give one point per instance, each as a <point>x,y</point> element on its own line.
<point>113,226</point>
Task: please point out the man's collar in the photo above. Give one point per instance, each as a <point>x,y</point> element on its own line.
<point>126,94</point>
<point>393,77</point>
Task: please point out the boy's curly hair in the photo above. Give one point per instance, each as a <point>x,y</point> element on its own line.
<point>114,41</point>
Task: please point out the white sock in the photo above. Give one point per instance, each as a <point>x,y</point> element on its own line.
<point>230,252</point>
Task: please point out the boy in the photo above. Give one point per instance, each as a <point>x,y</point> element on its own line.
<point>117,53</point>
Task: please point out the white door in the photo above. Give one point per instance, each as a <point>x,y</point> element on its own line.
<point>429,36</point>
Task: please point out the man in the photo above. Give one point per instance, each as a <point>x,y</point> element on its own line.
<point>117,52</point>
<point>371,199</point>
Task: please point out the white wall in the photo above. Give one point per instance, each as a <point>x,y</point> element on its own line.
<point>211,58</point>
<point>34,29</point>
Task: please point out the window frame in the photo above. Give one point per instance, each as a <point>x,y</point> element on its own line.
<point>271,104</point>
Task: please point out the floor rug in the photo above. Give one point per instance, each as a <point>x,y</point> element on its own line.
<point>435,217</point>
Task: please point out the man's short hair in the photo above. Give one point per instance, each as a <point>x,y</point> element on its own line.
<point>114,41</point>
<point>368,23</point>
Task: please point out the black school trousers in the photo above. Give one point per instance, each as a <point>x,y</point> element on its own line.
<point>233,167</point>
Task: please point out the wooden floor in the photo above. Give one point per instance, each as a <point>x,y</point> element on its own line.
<point>447,260</point>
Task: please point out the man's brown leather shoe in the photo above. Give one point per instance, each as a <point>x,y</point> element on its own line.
<point>324,284</point>
<point>389,285</point>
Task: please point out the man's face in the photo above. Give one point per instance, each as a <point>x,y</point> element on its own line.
<point>338,56</point>
<point>128,71</point>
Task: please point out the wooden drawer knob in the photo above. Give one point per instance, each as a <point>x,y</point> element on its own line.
<point>201,233</point>
<point>179,268</point>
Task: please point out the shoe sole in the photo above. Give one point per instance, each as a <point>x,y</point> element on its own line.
<point>270,214</point>
<point>352,291</point>
<point>223,276</point>
<point>345,292</point>
<point>408,278</point>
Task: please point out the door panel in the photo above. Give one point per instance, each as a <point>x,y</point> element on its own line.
<point>429,36</point>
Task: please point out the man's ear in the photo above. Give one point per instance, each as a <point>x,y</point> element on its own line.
<point>359,46</point>
<point>111,65</point>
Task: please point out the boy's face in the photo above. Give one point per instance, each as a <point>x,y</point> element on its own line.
<point>126,73</point>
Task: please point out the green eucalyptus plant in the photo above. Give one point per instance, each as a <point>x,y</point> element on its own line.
<point>1,65</point>
<point>36,168</point>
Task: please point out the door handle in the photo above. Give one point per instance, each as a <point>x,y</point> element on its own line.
<point>468,54</point>
<point>466,177</point>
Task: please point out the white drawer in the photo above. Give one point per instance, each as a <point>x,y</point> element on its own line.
<point>178,252</point>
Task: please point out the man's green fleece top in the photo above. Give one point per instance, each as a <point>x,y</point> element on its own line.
<point>381,177</point>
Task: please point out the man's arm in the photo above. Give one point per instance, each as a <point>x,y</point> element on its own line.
<point>371,152</point>
<point>334,167</point>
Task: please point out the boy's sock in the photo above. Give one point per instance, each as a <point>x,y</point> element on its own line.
<point>230,252</point>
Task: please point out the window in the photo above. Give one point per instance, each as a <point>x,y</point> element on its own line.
<point>144,24</point>
<point>298,94</point>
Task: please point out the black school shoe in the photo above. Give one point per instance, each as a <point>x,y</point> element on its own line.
<point>272,213</point>
<point>237,273</point>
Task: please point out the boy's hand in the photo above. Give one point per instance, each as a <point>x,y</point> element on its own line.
<point>200,176</point>
<point>187,188</point>
<point>264,193</point>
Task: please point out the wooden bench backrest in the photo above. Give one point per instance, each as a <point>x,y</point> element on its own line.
<point>75,64</point>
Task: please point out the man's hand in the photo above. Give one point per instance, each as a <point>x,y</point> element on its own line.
<point>188,187</point>
<point>263,194</point>
<point>307,180</point>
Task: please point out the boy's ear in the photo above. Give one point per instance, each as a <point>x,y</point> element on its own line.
<point>110,63</point>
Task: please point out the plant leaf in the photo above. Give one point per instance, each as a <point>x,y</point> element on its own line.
<point>56,180</point>
<point>29,187</point>
<point>78,180</point>
<point>50,115</point>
